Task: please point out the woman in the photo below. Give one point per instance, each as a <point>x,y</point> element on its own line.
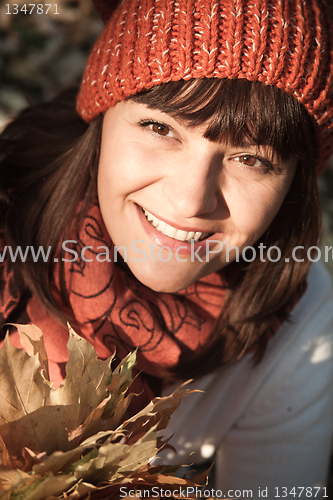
<point>181,221</point>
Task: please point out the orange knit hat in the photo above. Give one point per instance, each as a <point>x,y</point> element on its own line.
<point>286,43</point>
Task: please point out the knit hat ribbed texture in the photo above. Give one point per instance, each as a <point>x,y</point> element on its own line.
<point>286,43</point>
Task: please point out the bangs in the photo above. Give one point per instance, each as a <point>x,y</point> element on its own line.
<point>238,112</point>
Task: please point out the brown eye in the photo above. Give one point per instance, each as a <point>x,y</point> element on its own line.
<point>160,129</point>
<point>249,160</point>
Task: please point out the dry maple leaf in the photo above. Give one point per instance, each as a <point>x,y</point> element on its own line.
<point>72,442</point>
<point>31,411</point>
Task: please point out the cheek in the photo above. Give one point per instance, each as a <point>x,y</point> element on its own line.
<point>254,209</point>
<point>128,165</point>
<point>114,177</point>
<point>106,184</point>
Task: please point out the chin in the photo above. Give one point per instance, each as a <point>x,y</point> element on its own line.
<point>157,286</point>
<point>166,288</point>
<point>158,283</point>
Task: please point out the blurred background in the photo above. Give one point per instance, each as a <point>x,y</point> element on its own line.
<point>44,47</point>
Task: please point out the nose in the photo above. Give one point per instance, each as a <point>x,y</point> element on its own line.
<point>193,187</point>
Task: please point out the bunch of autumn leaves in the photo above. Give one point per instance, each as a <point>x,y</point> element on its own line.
<point>73,442</point>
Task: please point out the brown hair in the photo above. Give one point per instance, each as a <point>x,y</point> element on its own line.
<point>50,162</point>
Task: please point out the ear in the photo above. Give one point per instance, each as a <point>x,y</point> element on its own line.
<point>105,8</point>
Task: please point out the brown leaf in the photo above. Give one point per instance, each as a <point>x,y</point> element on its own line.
<point>13,479</point>
<point>51,486</point>
<point>59,461</point>
<point>157,412</point>
<point>71,440</point>
<point>5,458</point>
<point>33,343</point>
<point>35,414</point>
<point>20,396</point>
<point>85,384</point>
<point>109,413</point>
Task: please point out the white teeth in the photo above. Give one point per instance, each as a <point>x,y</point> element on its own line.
<point>170,231</point>
<point>176,234</point>
<point>181,235</point>
<point>190,236</point>
<point>155,221</point>
<point>161,226</point>
<point>148,215</point>
<point>151,218</point>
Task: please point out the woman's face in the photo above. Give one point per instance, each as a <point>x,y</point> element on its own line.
<point>173,201</point>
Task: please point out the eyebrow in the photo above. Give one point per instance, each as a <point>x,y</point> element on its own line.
<point>185,123</point>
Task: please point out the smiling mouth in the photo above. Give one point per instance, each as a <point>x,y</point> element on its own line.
<point>172,232</point>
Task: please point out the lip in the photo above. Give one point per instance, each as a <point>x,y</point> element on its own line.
<point>177,226</point>
<point>162,240</point>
